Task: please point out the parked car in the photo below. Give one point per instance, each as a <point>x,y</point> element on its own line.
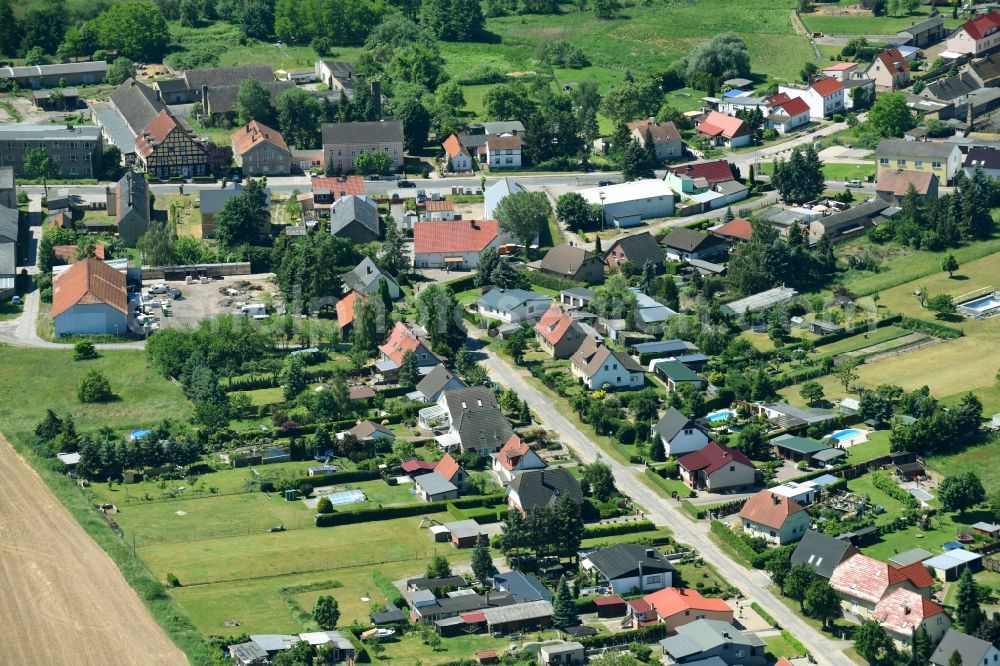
<point>15,299</point>
<point>854,183</point>
<point>158,289</point>
<point>174,293</point>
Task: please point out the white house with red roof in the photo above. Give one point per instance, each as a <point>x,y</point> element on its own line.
<point>723,130</point>
<point>779,520</point>
<point>862,582</point>
<point>825,96</point>
<point>698,177</point>
<point>716,468</point>
<point>513,458</point>
<point>457,157</point>
<point>976,37</point>
<point>786,113</point>
<point>676,607</point>
<point>453,244</point>
<point>902,612</point>
<point>889,70</point>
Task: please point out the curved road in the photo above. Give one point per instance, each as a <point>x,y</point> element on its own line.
<point>753,583</point>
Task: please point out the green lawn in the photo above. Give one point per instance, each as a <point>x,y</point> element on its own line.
<point>982,458</point>
<point>36,379</point>
<point>945,528</point>
<point>876,447</point>
<point>863,486</point>
<point>862,340</point>
<point>837,171</point>
<point>780,646</point>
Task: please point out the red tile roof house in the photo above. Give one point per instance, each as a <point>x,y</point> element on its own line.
<point>261,151</point>
<point>723,130</point>
<point>414,467</point>
<point>893,185</point>
<point>699,177</point>
<point>889,70</point>
<point>457,158</point>
<point>738,229</point>
<point>825,96</point>
<point>716,468</point>
<point>862,582</point>
<point>977,36</point>
<point>676,607</point>
<point>454,244</point>
<point>513,458</point>
<point>401,340</point>
<point>90,298</point>
<point>326,191</point>
<point>902,611</point>
<point>558,334</point>
<point>776,519</point>
<point>786,114</point>
<point>345,311</point>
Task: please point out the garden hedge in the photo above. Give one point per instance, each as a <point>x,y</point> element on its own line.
<point>650,634</point>
<point>613,529</point>
<point>405,511</point>
<point>930,328</point>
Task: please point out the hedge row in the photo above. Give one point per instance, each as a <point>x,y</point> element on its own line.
<point>882,481</point>
<point>735,541</point>
<point>930,328</point>
<point>851,332</point>
<point>546,281</point>
<point>337,478</point>
<point>650,634</point>
<point>692,510</point>
<point>389,591</point>
<point>406,511</point>
<point>613,529</point>
<point>654,474</point>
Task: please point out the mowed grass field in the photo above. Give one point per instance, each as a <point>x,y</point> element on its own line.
<point>36,379</point>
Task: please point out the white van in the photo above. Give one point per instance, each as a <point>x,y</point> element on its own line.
<point>254,310</point>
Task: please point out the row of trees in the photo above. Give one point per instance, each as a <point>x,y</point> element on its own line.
<point>936,223</point>
<point>768,259</point>
<point>552,531</point>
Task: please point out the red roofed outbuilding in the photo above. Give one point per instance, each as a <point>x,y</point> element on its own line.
<point>90,298</point>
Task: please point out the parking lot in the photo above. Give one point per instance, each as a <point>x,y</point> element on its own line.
<point>204,301</point>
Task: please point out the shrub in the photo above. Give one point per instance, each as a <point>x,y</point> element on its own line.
<point>324,505</point>
<point>94,387</point>
<point>84,350</point>
<point>884,483</point>
<point>172,580</point>
<point>930,328</point>
<point>692,510</point>
<point>306,489</point>
<point>612,529</point>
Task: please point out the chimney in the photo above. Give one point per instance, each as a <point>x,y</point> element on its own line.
<point>159,95</point>
<point>204,99</point>
<point>775,499</point>
<point>651,553</point>
<point>376,87</point>
<point>968,113</point>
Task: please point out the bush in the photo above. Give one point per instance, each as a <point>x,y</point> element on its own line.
<point>172,580</point>
<point>324,505</point>
<point>84,350</point>
<point>650,634</point>
<point>739,542</point>
<point>94,387</point>
<point>930,328</point>
<point>884,483</point>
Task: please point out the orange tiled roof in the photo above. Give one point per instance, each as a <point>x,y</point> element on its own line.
<point>253,133</point>
<point>453,236</point>
<point>766,508</point>
<point>553,324</point>
<point>447,467</point>
<point>901,611</point>
<point>89,282</point>
<point>671,600</point>
<point>512,452</point>
<point>345,308</point>
<point>866,578</point>
<point>827,86</point>
<point>453,146</point>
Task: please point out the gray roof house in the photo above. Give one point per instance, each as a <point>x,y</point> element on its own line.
<point>638,248</point>
<point>822,552</point>
<point>626,567</point>
<point>435,382</point>
<point>129,204</point>
<point>496,192</point>
<point>523,587</point>
<point>702,639</point>
<point>537,489</point>
<point>8,241</point>
<point>513,305</point>
<point>945,158</point>
<point>365,277</point>
<point>56,75</point>
<point>476,419</point>
<point>573,263</point>
<point>432,487</point>
<point>974,651</point>
<point>377,131</point>
<point>679,433</point>
<point>138,105</point>
<point>685,244</point>
<point>356,218</point>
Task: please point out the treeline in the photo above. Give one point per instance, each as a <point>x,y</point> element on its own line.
<point>938,223</point>
<point>225,344</point>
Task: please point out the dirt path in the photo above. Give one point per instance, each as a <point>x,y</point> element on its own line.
<point>64,601</point>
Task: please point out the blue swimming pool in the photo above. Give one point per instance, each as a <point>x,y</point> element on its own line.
<point>849,433</point>
<point>982,306</point>
<point>346,497</point>
<point>720,416</point>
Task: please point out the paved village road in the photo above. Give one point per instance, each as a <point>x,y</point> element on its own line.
<point>753,584</point>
